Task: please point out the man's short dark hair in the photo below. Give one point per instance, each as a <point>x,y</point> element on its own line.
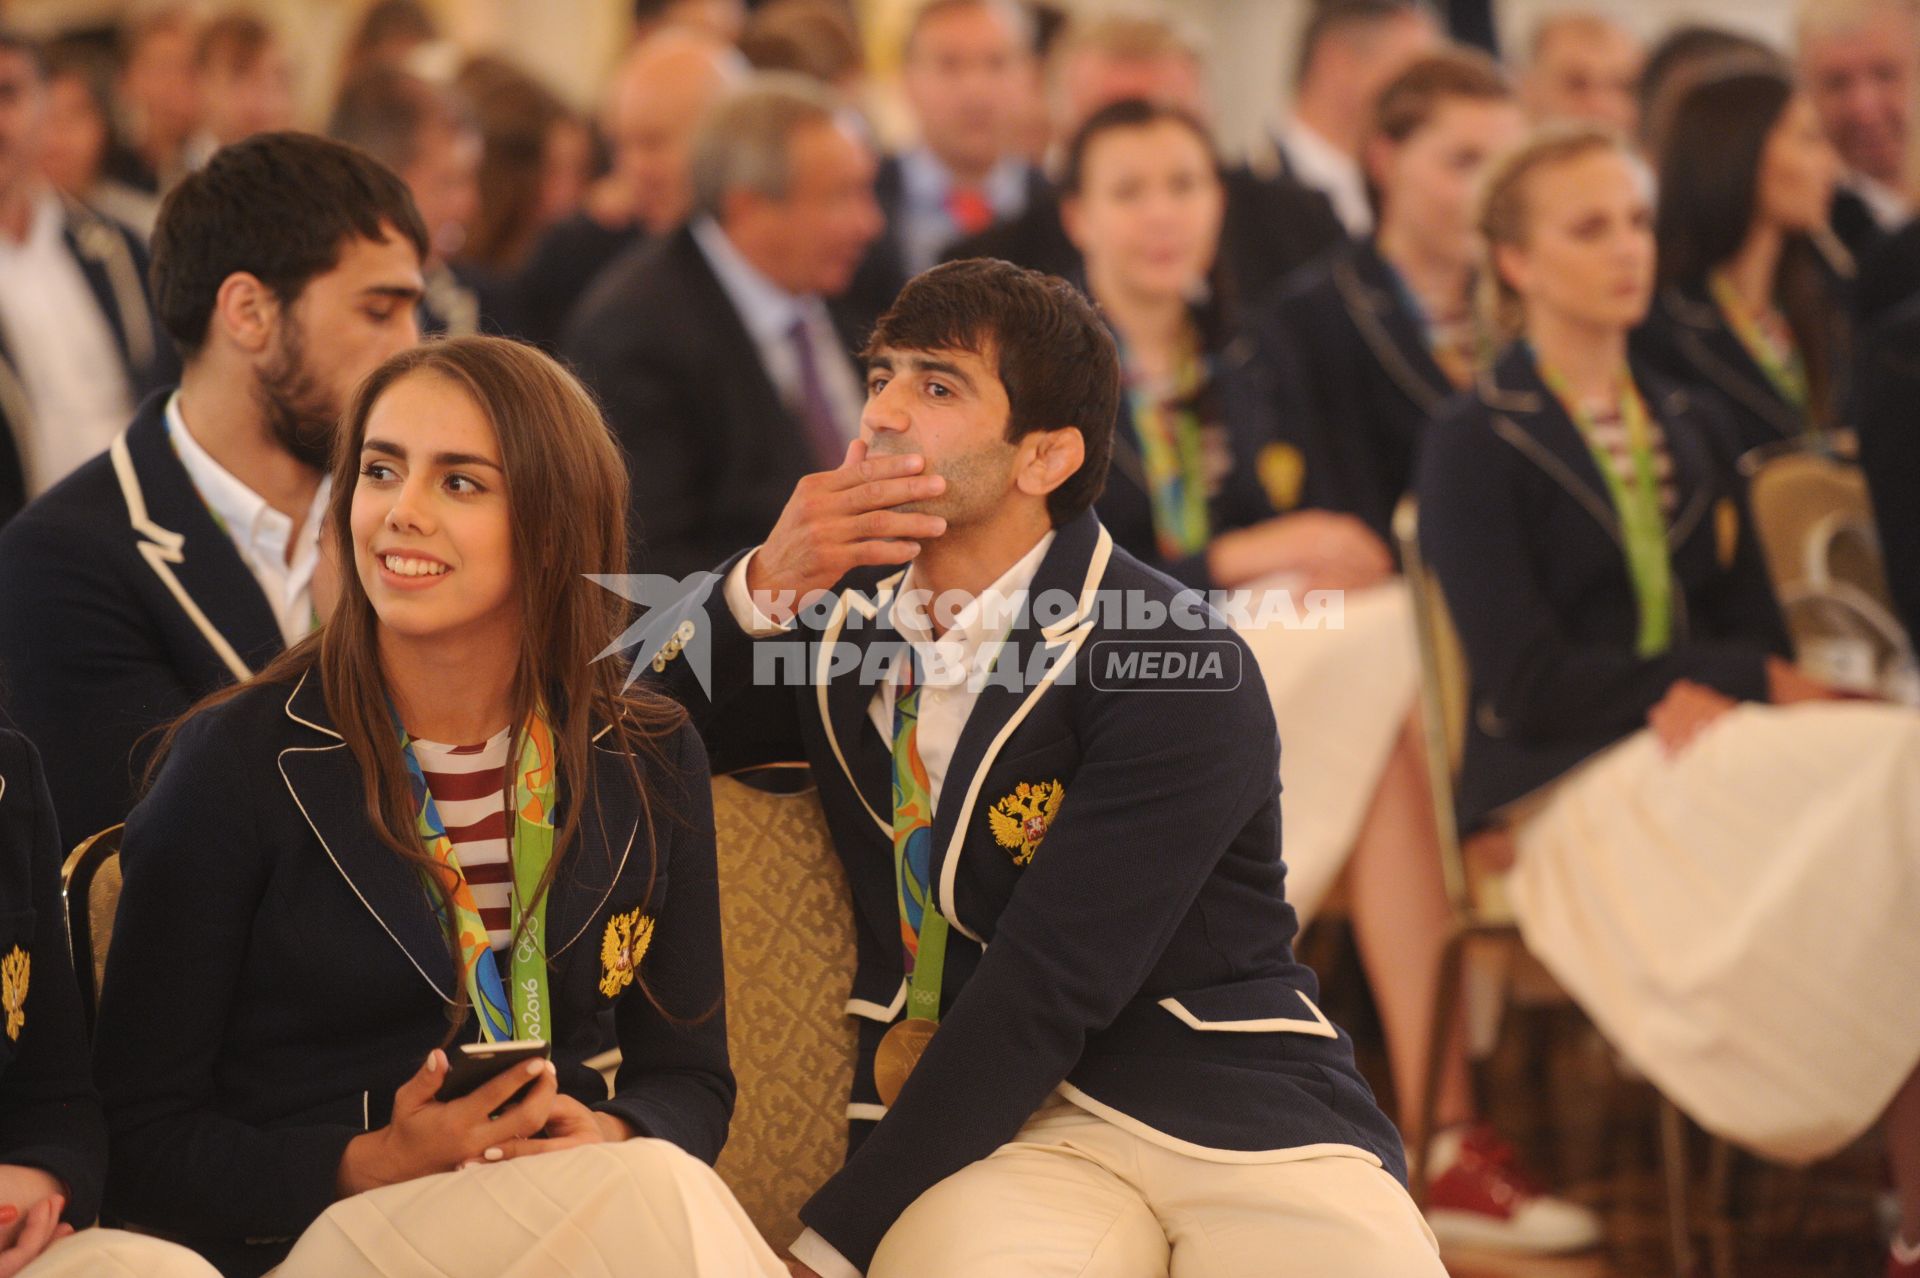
<point>280,207</point>
<point>1052,352</point>
<point>1331,18</point>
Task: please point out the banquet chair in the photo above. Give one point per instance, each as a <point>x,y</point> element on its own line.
<point>90,892</point>
<point>1476,886</point>
<point>787,927</point>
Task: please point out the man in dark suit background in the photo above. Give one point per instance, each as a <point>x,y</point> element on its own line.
<point>1860,63</point>
<point>1273,224</point>
<point>663,89</point>
<point>79,344</point>
<point>966,70</point>
<point>783,211</point>
<point>185,557</point>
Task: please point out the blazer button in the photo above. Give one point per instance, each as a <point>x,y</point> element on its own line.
<point>684,632</point>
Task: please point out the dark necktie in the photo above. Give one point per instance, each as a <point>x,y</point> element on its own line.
<point>970,210</point>
<point>824,438</point>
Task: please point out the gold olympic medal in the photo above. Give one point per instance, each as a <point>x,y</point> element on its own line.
<point>899,1052</point>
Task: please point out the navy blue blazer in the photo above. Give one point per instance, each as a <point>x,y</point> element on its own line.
<point>1237,418</point>
<point>712,449</point>
<point>1889,388</point>
<point>1517,522</point>
<point>1687,339</point>
<point>1140,957</point>
<point>1355,382</point>
<point>126,604</point>
<point>114,262</point>
<point>277,972</point>
<point>49,1112</point>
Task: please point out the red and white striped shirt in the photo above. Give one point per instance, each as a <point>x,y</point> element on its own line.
<point>469,787</point>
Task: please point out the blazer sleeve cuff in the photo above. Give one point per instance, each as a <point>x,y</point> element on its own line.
<point>819,1255</point>
<point>740,602</point>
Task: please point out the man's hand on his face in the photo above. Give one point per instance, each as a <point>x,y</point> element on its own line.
<point>840,520</point>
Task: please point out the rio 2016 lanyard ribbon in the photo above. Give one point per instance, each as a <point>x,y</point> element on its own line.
<point>523,1011</point>
<point>1767,340</point>
<point>1173,452</point>
<point>923,929</point>
<point>1643,525</point>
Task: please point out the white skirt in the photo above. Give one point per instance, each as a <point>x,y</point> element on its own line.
<point>643,1208</point>
<point>1742,921</point>
<point>1340,696</point>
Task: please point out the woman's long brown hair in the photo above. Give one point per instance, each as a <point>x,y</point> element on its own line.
<point>566,486</point>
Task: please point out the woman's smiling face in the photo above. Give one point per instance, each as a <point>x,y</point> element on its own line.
<point>432,538</point>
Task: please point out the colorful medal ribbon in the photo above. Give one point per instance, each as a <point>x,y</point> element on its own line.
<point>1767,340</point>
<point>1643,525</point>
<point>923,929</point>
<point>1173,452</point>
<point>523,1011</point>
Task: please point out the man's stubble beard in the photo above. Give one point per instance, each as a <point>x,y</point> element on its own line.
<point>294,403</point>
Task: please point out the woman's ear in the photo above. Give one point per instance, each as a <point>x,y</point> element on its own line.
<point>245,311</point>
<point>1057,456</point>
<point>1511,265</point>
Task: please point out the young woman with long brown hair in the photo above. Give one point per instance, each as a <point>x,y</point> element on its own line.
<point>1684,803</point>
<point>437,821</point>
<point>1749,308</point>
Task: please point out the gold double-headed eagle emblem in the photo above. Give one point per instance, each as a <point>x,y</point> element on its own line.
<point>1020,820</point>
<point>15,969</point>
<point>621,949</point>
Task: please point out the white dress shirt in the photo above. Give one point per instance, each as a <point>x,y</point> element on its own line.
<point>62,347</point>
<point>260,533</point>
<point>955,665</point>
<point>769,313</point>
<point>926,227</point>
<point>1326,168</point>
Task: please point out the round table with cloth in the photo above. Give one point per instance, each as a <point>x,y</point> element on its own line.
<point>1341,692</point>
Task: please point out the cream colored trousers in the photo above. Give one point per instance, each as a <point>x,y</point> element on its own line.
<point>114,1253</point>
<point>644,1208</point>
<point>1075,1196</point>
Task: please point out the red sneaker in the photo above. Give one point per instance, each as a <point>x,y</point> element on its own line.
<point>1477,1196</point>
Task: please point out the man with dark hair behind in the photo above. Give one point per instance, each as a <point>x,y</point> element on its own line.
<point>185,556</point>
<point>429,137</point>
<point>1103,1058</point>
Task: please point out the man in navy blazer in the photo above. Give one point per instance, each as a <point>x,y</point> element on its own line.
<point>79,343</point>
<point>1129,1065</point>
<point>186,556</point>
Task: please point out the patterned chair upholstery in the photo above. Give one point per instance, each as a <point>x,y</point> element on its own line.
<point>788,928</point>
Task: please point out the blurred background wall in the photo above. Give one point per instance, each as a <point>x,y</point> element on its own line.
<point>572,44</point>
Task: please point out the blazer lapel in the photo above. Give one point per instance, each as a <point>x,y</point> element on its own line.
<point>114,278</point>
<point>1375,300</point>
<point>859,633</point>
<point>1712,348</point>
<point>610,837</point>
<point>187,551</point>
<point>1031,661</point>
<point>1531,418</point>
<point>325,784</point>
